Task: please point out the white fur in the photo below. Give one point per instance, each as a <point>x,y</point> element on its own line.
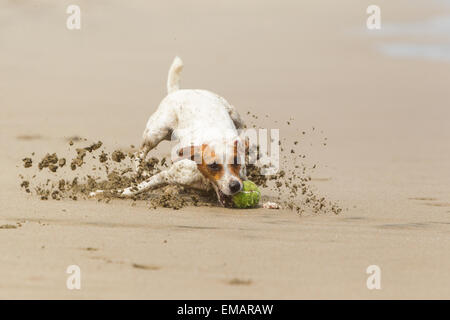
<point>173,80</point>
<point>192,117</point>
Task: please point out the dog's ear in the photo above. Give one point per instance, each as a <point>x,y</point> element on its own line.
<point>240,150</point>
<point>194,153</point>
<point>191,152</point>
<point>247,146</point>
<point>199,154</point>
<point>240,156</point>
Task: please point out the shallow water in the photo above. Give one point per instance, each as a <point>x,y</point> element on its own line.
<point>430,38</point>
<point>436,51</point>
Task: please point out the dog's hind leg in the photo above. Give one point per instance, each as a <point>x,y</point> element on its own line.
<point>140,156</point>
<point>158,128</point>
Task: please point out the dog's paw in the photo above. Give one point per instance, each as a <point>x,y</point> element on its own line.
<point>126,193</point>
<point>95,193</point>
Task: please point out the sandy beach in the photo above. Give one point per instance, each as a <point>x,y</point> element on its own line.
<point>386,161</point>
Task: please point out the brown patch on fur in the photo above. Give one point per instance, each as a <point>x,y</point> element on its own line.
<point>207,156</point>
<point>212,175</point>
<point>191,152</point>
<point>235,168</point>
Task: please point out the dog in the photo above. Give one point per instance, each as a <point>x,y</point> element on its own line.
<point>210,152</point>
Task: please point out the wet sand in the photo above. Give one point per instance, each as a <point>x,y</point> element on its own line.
<point>387,159</point>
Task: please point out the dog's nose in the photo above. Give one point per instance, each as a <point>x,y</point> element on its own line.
<point>235,186</point>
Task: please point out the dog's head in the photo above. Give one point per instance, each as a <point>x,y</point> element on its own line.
<point>222,163</point>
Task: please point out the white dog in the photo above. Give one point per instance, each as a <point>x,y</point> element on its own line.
<point>209,152</point>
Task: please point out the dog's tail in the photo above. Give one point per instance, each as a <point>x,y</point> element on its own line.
<point>173,81</point>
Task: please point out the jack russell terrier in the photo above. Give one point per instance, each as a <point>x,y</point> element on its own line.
<point>209,153</point>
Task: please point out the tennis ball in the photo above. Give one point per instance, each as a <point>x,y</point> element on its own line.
<point>248,197</point>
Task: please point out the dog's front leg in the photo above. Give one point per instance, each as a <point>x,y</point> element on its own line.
<point>152,182</point>
<point>183,172</point>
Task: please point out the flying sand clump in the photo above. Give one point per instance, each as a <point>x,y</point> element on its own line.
<point>110,173</point>
<point>290,187</point>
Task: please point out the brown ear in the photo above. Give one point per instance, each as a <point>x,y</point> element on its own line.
<point>240,147</point>
<point>246,145</point>
<point>194,153</point>
<point>190,152</point>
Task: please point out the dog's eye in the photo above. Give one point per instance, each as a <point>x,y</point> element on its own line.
<point>214,166</point>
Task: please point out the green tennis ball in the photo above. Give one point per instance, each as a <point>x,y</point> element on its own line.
<point>248,197</point>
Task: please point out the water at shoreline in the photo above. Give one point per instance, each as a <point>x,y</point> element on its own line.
<point>435,31</point>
